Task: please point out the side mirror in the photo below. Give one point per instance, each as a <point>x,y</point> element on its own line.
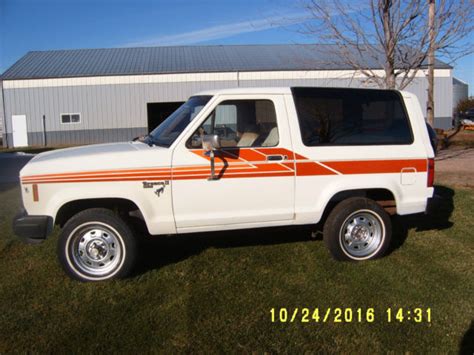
<point>210,143</point>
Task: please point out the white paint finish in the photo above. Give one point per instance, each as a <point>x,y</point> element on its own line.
<point>199,202</point>
<point>200,77</point>
<point>156,210</point>
<point>408,176</point>
<point>19,131</point>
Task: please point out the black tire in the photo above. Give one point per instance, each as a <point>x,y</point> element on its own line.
<point>96,245</point>
<point>357,229</point>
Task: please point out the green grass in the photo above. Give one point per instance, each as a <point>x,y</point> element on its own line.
<point>214,292</point>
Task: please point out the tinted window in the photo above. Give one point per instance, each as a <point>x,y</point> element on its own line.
<point>351,117</point>
<point>240,123</point>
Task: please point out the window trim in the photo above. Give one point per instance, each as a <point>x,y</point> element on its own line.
<point>188,146</point>
<point>70,115</point>
<point>397,93</point>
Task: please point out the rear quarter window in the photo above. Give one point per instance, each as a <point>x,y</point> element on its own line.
<point>329,116</point>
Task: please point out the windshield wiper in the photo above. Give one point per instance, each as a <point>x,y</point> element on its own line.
<point>148,139</point>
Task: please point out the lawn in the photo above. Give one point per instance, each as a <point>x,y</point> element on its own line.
<point>214,292</point>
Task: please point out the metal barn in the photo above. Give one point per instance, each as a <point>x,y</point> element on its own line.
<point>83,96</point>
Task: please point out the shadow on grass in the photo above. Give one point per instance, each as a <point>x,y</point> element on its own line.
<point>156,252</point>
<point>467,342</point>
<point>437,219</point>
<point>163,251</point>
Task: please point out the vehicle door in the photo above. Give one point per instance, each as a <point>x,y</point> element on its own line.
<point>254,167</point>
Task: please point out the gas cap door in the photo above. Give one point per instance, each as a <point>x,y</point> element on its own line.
<point>408,176</point>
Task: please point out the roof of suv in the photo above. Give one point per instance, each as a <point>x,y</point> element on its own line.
<point>271,90</point>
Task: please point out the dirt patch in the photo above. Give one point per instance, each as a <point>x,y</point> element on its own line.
<point>455,166</point>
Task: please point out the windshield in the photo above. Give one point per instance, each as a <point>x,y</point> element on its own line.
<point>166,133</point>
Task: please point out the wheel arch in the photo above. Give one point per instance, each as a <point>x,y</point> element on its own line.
<point>382,195</point>
<point>122,206</point>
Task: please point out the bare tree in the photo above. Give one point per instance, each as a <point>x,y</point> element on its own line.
<point>390,34</point>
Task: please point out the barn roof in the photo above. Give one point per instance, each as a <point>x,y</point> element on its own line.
<point>176,59</point>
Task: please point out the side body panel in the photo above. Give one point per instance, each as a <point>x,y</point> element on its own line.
<point>322,172</point>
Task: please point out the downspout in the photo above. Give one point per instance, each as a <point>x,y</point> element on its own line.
<point>238,79</point>
<point>44,131</point>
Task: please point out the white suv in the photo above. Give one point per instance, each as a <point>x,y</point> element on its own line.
<point>233,159</point>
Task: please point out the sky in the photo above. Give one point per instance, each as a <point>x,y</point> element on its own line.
<point>27,25</point>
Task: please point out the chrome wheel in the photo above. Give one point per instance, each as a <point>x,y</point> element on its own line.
<point>362,234</point>
<point>95,249</point>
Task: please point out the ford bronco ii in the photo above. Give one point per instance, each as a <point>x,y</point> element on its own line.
<point>235,159</point>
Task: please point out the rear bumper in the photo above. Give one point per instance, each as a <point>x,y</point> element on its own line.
<point>32,229</point>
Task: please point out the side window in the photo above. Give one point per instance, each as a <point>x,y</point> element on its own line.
<point>240,123</point>
<point>351,117</point>
<point>70,118</point>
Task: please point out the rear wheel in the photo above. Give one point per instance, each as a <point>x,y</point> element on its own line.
<point>357,229</point>
<point>96,245</point>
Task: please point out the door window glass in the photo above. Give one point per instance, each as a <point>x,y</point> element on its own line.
<point>240,123</point>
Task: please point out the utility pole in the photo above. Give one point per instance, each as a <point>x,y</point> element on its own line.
<point>431,62</point>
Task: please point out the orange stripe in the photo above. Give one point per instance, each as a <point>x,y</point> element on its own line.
<point>167,177</point>
<point>276,151</point>
<point>376,166</point>
<point>97,172</point>
<point>35,193</point>
<point>89,177</point>
<point>311,168</point>
<point>241,168</point>
<point>235,176</point>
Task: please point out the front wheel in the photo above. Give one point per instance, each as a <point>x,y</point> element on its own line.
<point>96,245</point>
<point>357,229</point>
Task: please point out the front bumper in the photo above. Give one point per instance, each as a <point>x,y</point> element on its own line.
<point>32,229</point>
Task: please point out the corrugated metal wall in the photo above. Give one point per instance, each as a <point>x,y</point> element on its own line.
<point>460,92</point>
<point>2,116</point>
<point>119,111</point>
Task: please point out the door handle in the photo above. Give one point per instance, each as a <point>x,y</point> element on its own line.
<point>276,157</point>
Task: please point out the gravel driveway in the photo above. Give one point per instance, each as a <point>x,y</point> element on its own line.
<point>455,166</point>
